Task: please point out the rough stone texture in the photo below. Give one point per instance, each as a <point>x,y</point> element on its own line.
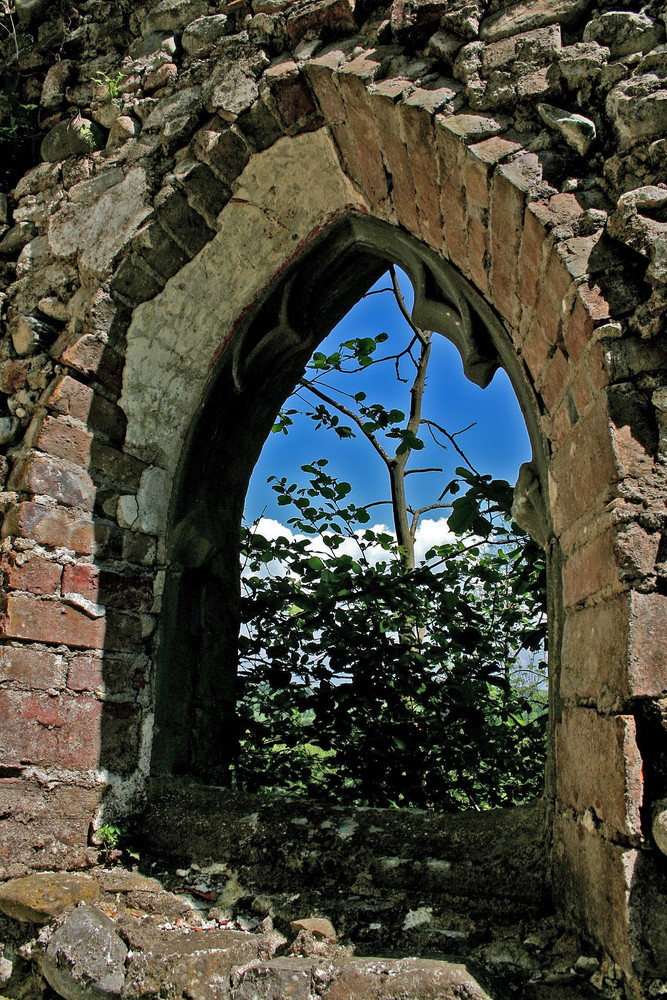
<point>85,957</point>
<point>300,851</point>
<point>40,898</point>
<point>409,978</point>
<point>524,144</point>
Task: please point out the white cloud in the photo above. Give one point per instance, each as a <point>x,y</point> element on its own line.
<point>429,533</point>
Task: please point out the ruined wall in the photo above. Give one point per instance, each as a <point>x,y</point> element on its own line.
<point>524,144</point>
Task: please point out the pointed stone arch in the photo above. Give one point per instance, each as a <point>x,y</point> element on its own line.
<point>480,206</point>
<point>193,279</point>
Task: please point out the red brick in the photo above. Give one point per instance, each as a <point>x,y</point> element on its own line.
<point>50,621</point>
<point>114,675</point>
<point>417,127</point>
<point>591,570</point>
<point>63,440</point>
<point>595,652</point>
<point>130,593</point>
<point>45,827</point>
<point>33,668</point>
<point>81,579</point>
<point>120,737</point>
<point>451,155</point>
<point>578,329</point>
<point>647,667</point>
<point>397,161</point>
<point>41,475</point>
<point>371,175</point>
<point>536,349</point>
<point>39,576</point>
<point>125,632</point>
<point>531,258</point>
<point>86,673</point>
<point>554,379</point>
<point>92,356</point>
<point>583,468</point>
<point>591,881</point>
<point>581,390</point>
<point>599,767</point>
<point>55,526</point>
<point>36,728</point>
<point>81,402</point>
<point>508,193</point>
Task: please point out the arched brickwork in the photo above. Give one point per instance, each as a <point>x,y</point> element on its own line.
<point>166,269</point>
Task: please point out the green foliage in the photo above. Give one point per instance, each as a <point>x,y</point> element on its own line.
<point>112,841</point>
<point>19,136</point>
<point>111,84</point>
<point>366,678</point>
<point>365,683</point>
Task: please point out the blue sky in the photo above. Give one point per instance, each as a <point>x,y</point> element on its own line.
<point>497,444</point>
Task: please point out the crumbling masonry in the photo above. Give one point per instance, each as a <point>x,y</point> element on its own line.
<point>188,236</point>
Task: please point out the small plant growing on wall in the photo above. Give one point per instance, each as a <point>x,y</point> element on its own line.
<point>111,840</point>
<point>110,84</point>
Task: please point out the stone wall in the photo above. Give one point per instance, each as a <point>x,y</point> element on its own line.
<point>512,158</point>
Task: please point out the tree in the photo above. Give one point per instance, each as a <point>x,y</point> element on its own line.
<point>366,677</point>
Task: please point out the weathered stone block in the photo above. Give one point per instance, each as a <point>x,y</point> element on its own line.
<point>600,768</point>
<point>554,379</point>
<point>589,448</point>
<point>38,576</point>
<point>591,570</point>
<point>223,147</point>
<point>521,17</point>
<point>85,957</point>
<point>99,233</point>
<point>61,439</point>
<point>204,191</point>
<point>322,16</point>
<point>80,402</point>
<point>509,187</point>
<point>41,475</point>
<point>133,282</point>
<point>36,728</point>
<point>41,897</point>
<point>38,669</point>
<point>41,620</point>
<point>231,90</point>
<point>638,110</point>
<point>172,15</point>
<point>54,526</point>
<point>182,223</point>
<point>451,157</point>
<point>595,877</point>
<point>647,668</point>
<point>293,100</point>
<point>595,652</point>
